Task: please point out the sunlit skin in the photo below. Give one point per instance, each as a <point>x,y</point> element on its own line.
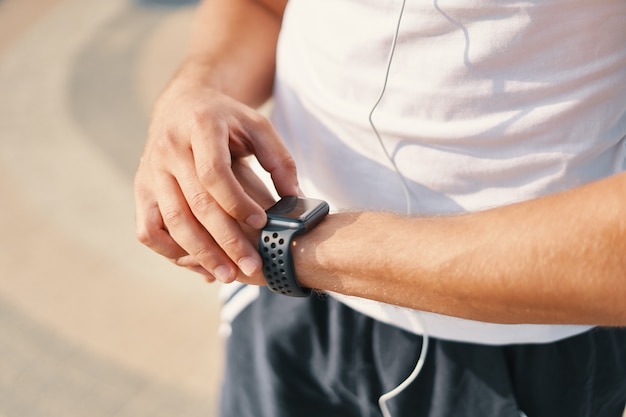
<point>555,259</point>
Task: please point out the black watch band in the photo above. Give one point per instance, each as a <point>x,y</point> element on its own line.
<point>278,265</point>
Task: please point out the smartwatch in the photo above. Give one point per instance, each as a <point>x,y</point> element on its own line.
<point>289,217</point>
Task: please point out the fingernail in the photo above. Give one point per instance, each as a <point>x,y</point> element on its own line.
<point>222,273</point>
<point>256,221</point>
<point>248,265</point>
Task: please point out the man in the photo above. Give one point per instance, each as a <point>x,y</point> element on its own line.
<point>474,170</point>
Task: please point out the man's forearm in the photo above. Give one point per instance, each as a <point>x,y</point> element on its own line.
<point>233,47</point>
<point>557,259</point>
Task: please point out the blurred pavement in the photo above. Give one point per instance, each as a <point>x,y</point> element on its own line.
<point>91,322</point>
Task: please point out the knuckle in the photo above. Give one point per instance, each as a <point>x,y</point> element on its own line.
<point>285,166</point>
<point>173,216</point>
<point>145,235</point>
<point>166,142</point>
<point>202,203</point>
<point>200,118</point>
<point>261,121</point>
<point>205,120</point>
<point>229,243</point>
<point>211,172</point>
<point>205,257</point>
<point>289,164</point>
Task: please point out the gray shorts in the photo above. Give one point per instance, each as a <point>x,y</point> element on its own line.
<point>317,357</point>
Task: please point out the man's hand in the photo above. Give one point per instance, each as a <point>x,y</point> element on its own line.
<point>190,202</point>
<point>259,193</point>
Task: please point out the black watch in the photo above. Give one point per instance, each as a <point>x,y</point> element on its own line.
<point>289,217</point>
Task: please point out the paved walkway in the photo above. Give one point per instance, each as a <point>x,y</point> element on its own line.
<point>91,323</point>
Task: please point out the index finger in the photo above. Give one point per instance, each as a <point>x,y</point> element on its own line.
<point>273,155</point>
<point>213,162</point>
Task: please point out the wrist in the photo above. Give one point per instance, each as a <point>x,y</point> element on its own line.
<point>321,260</point>
<point>224,77</point>
<point>352,253</point>
<point>196,71</point>
<point>290,217</point>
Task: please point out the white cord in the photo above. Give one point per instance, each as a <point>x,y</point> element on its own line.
<point>383,399</point>
<point>405,187</point>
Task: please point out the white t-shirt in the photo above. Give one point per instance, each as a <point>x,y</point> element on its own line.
<point>488,103</point>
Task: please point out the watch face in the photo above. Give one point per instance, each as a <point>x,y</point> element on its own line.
<point>296,208</point>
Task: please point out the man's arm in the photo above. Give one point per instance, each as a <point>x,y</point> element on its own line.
<point>233,47</point>
<point>556,259</point>
<point>189,202</point>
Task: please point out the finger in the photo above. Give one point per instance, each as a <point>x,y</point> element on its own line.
<point>150,229</point>
<point>273,155</point>
<point>252,184</point>
<point>225,230</point>
<point>202,216</point>
<point>185,229</point>
<point>192,264</point>
<point>213,165</point>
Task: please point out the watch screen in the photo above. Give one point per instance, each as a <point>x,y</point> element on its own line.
<point>295,207</point>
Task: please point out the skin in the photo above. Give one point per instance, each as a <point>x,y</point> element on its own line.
<point>555,259</point>
<point>188,200</point>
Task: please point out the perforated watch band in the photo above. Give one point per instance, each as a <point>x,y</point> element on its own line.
<point>278,265</point>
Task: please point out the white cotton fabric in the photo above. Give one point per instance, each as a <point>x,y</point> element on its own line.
<point>488,103</point>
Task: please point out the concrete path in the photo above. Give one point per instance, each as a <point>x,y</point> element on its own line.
<point>91,322</point>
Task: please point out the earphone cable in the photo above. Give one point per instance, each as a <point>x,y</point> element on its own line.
<point>405,186</point>
<point>383,399</point>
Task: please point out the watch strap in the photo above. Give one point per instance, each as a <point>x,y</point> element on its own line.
<point>278,267</point>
